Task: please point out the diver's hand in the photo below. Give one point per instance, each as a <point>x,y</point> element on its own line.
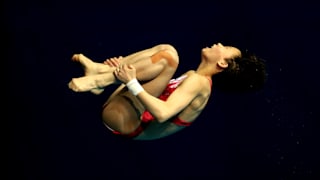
<point>113,62</point>
<point>125,73</point>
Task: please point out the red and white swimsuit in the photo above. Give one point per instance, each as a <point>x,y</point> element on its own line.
<point>147,117</point>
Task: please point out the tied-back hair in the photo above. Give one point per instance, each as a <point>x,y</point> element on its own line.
<point>246,73</point>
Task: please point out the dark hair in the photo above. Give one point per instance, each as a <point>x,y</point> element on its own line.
<point>243,74</point>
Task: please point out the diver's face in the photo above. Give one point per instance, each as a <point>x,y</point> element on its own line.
<point>218,52</point>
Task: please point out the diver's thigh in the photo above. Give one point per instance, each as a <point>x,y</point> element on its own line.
<point>120,114</point>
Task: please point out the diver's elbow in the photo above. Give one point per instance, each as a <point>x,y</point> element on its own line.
<point>162,117</point>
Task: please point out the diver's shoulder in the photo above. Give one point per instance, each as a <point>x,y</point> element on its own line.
<point>190,72</point>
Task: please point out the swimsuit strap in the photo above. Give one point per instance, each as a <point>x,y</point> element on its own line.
<point>180,122</point>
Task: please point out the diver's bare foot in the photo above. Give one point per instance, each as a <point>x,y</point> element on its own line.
<point>90,68</point>
<point>93,83</point>
<point>82,84</point>
<point>97,91</point>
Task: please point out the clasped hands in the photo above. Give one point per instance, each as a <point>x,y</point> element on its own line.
<point>123,72</point>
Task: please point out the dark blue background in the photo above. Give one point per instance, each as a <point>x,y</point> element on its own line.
<point>55,133</point>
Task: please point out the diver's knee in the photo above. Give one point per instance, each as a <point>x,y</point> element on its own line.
<point>168,53</point>
<point>168,48</point>
<point>172,50</point>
